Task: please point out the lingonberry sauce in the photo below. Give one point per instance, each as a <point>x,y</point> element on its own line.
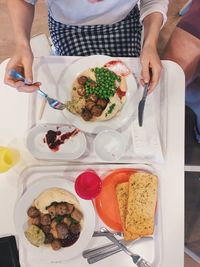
<point>55,138</point>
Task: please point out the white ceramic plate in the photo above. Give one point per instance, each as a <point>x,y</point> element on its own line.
<point>72,149</point>
<point>47,253</point>
<point>64,94</point>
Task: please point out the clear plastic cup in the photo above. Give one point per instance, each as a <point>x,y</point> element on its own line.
<point>88,185</point>
<point>8,158</point>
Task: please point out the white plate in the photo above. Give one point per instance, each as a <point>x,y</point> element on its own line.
<point>64,94</point>
<point>72,149</point>
<point>47,253</point>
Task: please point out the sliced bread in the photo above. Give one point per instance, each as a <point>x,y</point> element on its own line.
<point>142,197</point>
<point>122,199</point>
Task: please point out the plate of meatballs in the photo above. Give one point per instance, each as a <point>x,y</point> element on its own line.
<point>100,93</point>
<point>52,220</point>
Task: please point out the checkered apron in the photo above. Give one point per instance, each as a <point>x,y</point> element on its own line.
<point>121,39</point>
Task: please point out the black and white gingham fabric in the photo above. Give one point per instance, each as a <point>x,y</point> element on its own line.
<point>121,39</point>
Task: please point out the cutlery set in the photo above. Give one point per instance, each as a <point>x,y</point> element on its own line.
<point>100,253</point>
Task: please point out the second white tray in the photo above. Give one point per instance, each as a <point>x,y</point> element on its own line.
<point>151,250</point>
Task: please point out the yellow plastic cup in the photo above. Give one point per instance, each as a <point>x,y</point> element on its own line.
<point>8,158</point>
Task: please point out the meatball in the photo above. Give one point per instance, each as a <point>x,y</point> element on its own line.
<point>89,104</point>
<point>33,212</point>
<point>64,208</point>
<point>67,221</point>
<point>93,97</point>
<point>62,230</point>
<point>75,228</point>
<point>34,221</point>
<point>92,84</point>
<point>45,219</point>
<point>48,238</point>
<point>97,110</point>
<point>77,215</point>
<point>61,209</point>
<point>103,103</point>
<point>86,114</point>
<point>70,208</point>
<point>52,211</point>
<point>56,244</point>
<point>82,80</point>
<point>53,228</point>
<point>46,228</point>
<point>81,91</point>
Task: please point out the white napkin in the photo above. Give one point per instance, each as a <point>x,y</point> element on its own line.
<point>146,139</point>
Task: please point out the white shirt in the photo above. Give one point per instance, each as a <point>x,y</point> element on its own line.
<point>93,12</point>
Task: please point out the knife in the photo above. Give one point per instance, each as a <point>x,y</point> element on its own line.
<point>142,104</point>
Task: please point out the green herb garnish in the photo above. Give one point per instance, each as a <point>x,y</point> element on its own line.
<point>71,219</point>
<point>111,108</point>
<point>59,218</point>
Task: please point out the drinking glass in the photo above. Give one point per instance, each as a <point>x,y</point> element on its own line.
<point>8,158</point>
<point>88,185</point>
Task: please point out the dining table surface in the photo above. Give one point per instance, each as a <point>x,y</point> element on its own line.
<point>15,121</point>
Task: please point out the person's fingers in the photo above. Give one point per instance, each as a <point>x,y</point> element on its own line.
<point>7,78</point>
<point>145,77</point>
<point>19,85</point>
<point>11,82</point>
<point>28,70</point>
<point>29,88</point>
<point>156,71</point>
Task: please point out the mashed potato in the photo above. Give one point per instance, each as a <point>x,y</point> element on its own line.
<point>54,195</point>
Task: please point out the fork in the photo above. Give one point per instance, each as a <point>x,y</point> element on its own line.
<point>53,103</point>
<point>137,259</point>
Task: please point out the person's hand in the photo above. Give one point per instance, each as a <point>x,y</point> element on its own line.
<point>151,67</point>
<point>21,61</point>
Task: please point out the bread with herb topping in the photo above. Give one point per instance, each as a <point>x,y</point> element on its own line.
<point>122,199</point>
<point>142,197</point>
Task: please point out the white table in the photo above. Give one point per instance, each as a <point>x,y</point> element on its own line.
<point>14,121</point>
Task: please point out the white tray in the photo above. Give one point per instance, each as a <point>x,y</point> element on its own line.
<point>145,144</point>
<point>151,249</point>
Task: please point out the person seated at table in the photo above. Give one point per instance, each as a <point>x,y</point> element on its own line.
<point>184,48</point>
<point>88,27</point>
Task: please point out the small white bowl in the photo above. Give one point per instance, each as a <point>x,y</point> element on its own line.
<point>109,145</point>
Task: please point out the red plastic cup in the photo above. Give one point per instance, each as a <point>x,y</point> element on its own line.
<point>88,185</point>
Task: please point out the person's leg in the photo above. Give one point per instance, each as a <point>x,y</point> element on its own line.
<point>193,101</point>
<point>184,49</point>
